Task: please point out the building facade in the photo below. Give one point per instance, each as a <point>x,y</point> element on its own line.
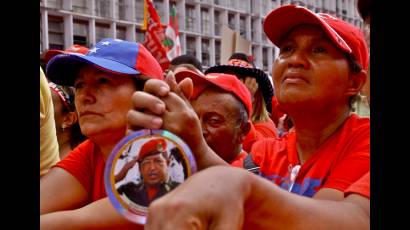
<point>85,22</point>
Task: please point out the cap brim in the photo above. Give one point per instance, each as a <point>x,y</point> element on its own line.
<point>200,83</point>
<point>63,68</point>
<point>281,20</point>
<point>261,78</point>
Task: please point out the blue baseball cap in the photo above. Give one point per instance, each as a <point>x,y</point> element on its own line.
<point>111,55</point>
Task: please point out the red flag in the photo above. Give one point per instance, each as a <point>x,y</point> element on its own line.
<point>155,37</point>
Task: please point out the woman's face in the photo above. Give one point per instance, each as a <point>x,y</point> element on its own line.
<point>102,101</point>
<point>310,70</point>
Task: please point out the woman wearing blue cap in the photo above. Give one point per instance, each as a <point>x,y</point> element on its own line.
<point>72,194</point>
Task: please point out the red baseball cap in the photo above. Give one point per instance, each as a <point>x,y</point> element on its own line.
<point>152,147</point>
<point>72,49</point>
<point>227,82</point>
<point>344,35</point>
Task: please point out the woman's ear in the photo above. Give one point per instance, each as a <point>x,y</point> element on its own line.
<point>357,81</point>
<point>70,119</point>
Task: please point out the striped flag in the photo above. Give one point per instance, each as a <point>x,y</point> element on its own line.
<point>172,42</point>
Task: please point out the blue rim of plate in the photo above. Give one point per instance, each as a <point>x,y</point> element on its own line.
<point>138,214</point>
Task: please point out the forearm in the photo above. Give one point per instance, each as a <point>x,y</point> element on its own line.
<point>97,215</point>
<point>270,207</point>
<point>121,174</point>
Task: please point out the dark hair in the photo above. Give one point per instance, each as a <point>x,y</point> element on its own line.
<point>138,82</point>
<point>187,59</point>
<point>355,67</point>
<point>243,57</point>
<point>243,113</point>
<point>76,136</point>
<point>364,8</point>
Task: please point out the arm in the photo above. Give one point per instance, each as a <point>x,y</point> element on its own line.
<point>97,215</point>
<point>125,169</point>
<point>163,105</point>
<point>49,154</point>
<point>59,190</point>
<point>63,205</point>
<point>259,204</point>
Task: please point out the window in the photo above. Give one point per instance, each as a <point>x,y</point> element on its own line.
<point>205,21</point>
<point>139,11</point>
<point>217,52</point>
<point>121,7</point>
<point>80,32</point>
<point>205,52</point>
<point>265,58</point>
<point>102,8</point>
<point>55,33</point>
<point>220,2</point>
<point>190,46</point>
<point>55,4</point>
<point>265,7</point>
<point>231,21</point>
<point>232,4</point>
<point>80,6</point>
<point>101,31</point>
<point>190,18</point>
<point>255,6</point>
<point>242,26</point>
<point>217,23</point>
<point>139,36</point>
<point>121,32</point>
<point>253,30</point>
<point>244,5</point>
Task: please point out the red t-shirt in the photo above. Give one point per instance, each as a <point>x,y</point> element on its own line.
<point>340,161</point>
<point>361,187</point>
<point>251,138</point>
<point>266,129</point>
<point>238,161</point>
<point>87,166</point>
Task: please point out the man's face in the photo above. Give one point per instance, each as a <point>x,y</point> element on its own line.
<point>218,112</point>
<point>154,169</point>
<point>310,70</point>
<point>102,101</point>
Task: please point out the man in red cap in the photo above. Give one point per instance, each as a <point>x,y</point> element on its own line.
<point>260,87</point>
<point>153,164</point>
<point>223,105</point>
<point>321,67</point>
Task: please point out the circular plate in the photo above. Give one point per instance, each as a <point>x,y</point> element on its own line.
<point>144,166</point>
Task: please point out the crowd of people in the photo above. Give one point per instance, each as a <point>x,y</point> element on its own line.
<point>299,143</point>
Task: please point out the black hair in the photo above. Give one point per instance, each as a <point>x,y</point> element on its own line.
<point>138,82</point>
<point>355,67</point>
<point>243,113</point>
<point>187,59</point>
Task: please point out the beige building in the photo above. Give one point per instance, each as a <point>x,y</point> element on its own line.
<point>85,22</point>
